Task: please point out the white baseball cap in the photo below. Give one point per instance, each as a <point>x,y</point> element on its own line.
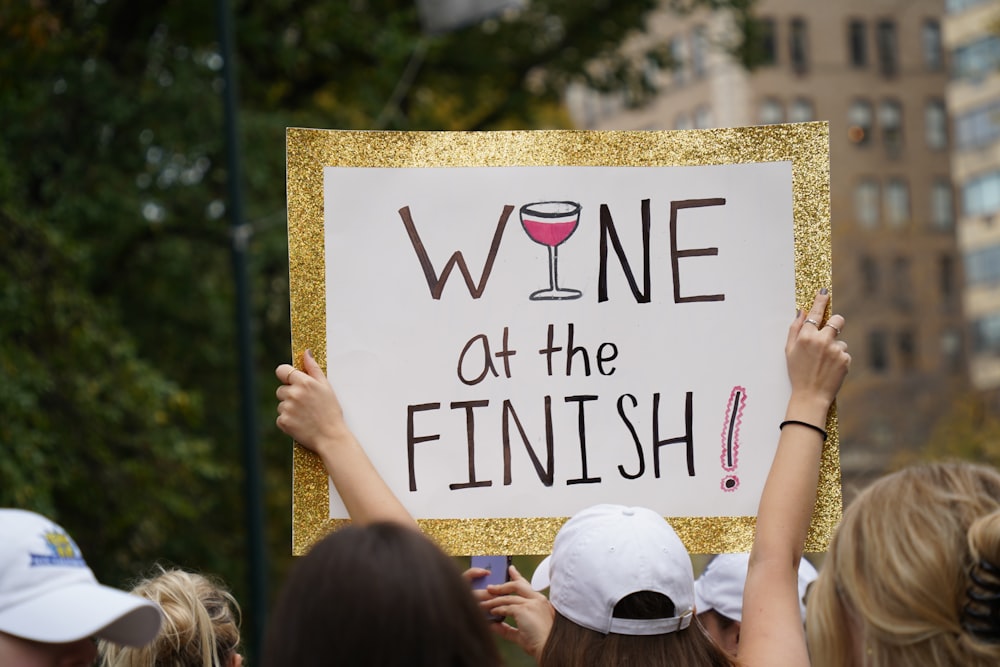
<point>607,552</point>
<point>720,586</point>
<point>48,594</point>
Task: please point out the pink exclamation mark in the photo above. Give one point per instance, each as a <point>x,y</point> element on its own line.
<point>731,438</point>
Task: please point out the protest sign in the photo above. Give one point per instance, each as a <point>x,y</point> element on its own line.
<point>522,324</point>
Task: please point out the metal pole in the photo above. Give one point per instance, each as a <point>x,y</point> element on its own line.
<point>254,514</point>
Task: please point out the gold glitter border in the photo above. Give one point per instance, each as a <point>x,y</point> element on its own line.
<point>805,145</point>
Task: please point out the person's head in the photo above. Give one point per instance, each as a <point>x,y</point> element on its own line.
<point>201,625</point>
<point>381,595</point>
<point>51,605</point>
<point>718,595</point>
<point>901,580</point>
<point>622,586</point>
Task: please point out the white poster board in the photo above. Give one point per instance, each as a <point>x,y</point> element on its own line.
<point>514,342</point>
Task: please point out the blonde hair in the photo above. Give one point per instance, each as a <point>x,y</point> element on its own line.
<point>201,622</point>
<point>897,575</point>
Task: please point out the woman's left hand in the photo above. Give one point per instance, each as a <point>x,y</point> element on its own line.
<point>531,610</point>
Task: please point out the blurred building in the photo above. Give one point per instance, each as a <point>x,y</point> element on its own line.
<point>971,31</point>
<point>877,70</point>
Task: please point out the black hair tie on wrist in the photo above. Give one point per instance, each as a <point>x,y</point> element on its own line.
<point>783,424</point>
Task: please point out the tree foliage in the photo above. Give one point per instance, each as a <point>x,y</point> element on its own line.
<point>969,431</point>
<point>119,387</point>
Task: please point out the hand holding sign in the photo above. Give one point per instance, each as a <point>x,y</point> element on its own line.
<point>309,411</point>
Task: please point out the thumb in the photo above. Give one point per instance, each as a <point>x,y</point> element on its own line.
<point>311,366</point>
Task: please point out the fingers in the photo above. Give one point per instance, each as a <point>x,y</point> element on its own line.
<point>835,324</point>
<point>474,573</point>
<point>815,315</point>
<point>519,587</point>
<point>812,318</point>
<point>283,371</point>
<point>503,605</point>
<point>286,372</point>
<point>312,366</point>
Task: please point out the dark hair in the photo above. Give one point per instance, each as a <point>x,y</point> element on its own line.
<point>724,622</point>
<point>571,645</point>
<point>381,595</point>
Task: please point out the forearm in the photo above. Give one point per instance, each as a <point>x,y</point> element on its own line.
<point>366,496</point>
<point>308,410</point>
<point>789,495</point>
<point>817,362</point>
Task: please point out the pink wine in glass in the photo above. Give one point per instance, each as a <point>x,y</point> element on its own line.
<point>550,223</point>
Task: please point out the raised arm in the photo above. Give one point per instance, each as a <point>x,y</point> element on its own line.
<point>772,632</point>
<point>308,410</point>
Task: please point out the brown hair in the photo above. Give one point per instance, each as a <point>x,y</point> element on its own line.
<point>381,595</point>
<point>572,645</point>
<point>201,624</point>
<point>897,575</point>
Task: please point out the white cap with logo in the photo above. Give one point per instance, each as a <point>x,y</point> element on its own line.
<point>607,552</point>
<point>48,594</point>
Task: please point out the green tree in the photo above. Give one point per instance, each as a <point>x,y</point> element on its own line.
<point>969,431</point>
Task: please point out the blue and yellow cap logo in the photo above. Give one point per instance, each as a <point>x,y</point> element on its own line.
<point>62,551</point>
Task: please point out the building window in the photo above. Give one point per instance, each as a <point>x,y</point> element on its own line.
<point>859,122</point>
<point>887,47</point>
<point>869,275</point>
<point>857,43</point>
<point>977,59</point>
<point>801,111</point>
<point>683,122</point>
<point>942,205</point>
<point>901,284</point>
<point>699,52</point>
<point>678,59</point>
<point>703,118</point>
<point>866,207</point>
<point>906,345</point>
<point>951,350</point>
<point>986,335</point>
<point>798,45</point>
<point>766,41</point>
<point>946,276</point>
<point>878,357</point>
<point>890,118</point>
<point>956,6</point>
<point>897,202</point>
<point>771,112</point>
<point>930,38</point>
<point>901,276</point>
<point>978,127</point>
<point>981,194</point>
<point>982,267</point>
<point>936,125</point>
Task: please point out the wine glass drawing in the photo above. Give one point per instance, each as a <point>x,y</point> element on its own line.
<point>550,223</point>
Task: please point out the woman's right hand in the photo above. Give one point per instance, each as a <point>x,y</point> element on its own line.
<point>817,361</point>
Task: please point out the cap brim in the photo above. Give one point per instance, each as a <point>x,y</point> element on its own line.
<point>540,578</point>
<point>77,611</point>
